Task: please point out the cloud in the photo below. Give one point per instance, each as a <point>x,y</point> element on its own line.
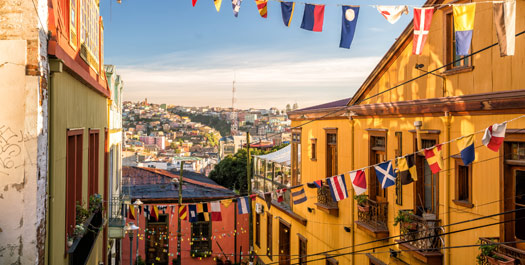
<point>266,81</point>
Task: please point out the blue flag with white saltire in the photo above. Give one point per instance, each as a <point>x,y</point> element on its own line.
<point>385,174</point>
<point>243,205</point>
<point>350,14</point>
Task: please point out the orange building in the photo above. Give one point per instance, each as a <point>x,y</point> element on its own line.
<point>203,242</point>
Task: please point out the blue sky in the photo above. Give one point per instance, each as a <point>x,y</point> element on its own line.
<point>171,52</point>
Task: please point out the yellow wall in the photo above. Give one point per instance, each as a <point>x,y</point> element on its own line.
<point>491,72</point>
<point>73,105</point>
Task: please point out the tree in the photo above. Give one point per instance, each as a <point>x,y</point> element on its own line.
<point>295,106</point>
<point>231,171</point>
<point>288,108</point>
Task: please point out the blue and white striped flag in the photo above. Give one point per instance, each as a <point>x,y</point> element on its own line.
<point>243,204</point>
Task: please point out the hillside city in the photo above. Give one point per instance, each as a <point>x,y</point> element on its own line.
<point>170,133</point>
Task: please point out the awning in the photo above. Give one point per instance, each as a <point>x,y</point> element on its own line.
<point>281,156</point>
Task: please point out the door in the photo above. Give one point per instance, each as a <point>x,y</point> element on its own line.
<point>284,244</point>
<point>379,194</point>
<point>427,184</point>
<point>157,247</point>
<point>518,175</point>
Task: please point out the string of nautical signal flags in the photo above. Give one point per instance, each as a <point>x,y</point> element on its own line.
<point>493,137</point>
<point>464,15</point>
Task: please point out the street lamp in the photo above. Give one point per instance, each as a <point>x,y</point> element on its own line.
<point>130,228</point>
<point>137,204</point>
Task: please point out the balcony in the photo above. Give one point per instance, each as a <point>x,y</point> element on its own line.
<point>427,229</point>
<point>373,219</point>
<point>325,202</point>
<point>507,250</point>
<point>80,251</point>
<point>116,220</point>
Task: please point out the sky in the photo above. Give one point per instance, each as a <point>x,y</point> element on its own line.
<point>170,52</point>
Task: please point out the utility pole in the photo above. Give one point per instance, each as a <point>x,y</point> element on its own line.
<point>249,179</point>
<point>178,215</point>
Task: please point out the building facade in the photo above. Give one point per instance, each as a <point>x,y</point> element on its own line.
<point>389,117</point>
<point>202,242</point>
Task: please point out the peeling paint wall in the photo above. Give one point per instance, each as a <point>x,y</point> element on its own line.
<point>23,131</point>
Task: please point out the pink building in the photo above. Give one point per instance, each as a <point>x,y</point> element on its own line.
<point>159,141</point>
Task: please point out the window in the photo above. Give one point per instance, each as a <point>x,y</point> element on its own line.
<point>258,230</point>
<point>73,22</point>
<point>331,151</point>
<point>73,177</point>
<point>302,250</point>
<point>463,184</point>
<point>451,44</point>
<point>269,231</point>
<point>296,156</point>
<point>426,195</point>
<point>399,152</point>
<point>90,29</point>
<point>93,161</point>
<point>201,236</point>
<point>377,151</point>
<point>313,149</point>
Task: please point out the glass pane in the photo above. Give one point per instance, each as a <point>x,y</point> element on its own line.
<point>520,187</point>
<point>519,225</point>
<point>428,187</point>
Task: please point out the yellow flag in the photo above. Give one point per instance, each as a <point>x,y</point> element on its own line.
<point>464,16</point>
<point>217,4</point>
<point>226,203</point>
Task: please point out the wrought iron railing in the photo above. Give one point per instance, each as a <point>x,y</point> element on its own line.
<point>507,250</point>
<point>427,229</point>
<point>324,197</point>
<point>80,250</point>
<point>375,214</point>
<point>263,185</point>
<point>116,212</point>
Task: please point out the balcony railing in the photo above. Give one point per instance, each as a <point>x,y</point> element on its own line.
<point>116,220</point>
<point>80,251</point>
<point>325,202</point>
<point>376,216</point>
<point>427,229</point>
<point>507,250</point>
<point>262,184</point>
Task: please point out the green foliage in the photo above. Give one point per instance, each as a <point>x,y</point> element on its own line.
<point>140,261</point>
<point>403,217</point>
<point>231,171</point>
<point>361,199</point>
<point>487,250</point>
<point>82,214</point>
<point>218,124</point>
<point>95,203</point>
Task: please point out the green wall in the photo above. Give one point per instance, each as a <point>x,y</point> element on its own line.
<point>73,105</point>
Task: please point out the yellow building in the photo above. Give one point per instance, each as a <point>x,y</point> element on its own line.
<point>381,122</point>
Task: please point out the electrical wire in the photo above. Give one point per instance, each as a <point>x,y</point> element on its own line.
<point>402,242</point>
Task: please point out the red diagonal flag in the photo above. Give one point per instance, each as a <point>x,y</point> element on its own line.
<point>193,2</point>
<point>422,21</point>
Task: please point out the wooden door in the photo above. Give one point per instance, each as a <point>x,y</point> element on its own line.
<point>518,177</point>
<point>426,195</point>
<point>284,244</point>
<point>157,239</point>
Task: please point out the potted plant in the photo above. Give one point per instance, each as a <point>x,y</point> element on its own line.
<point>488,252</point>
<point>405,218</point>
<point>362,203</point>
<point>95,203</point>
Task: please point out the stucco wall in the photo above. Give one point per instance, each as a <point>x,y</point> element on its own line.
<point>23,131</point>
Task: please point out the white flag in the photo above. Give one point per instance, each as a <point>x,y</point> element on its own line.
<point>392,13</point>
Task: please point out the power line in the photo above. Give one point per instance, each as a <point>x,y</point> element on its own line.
<point>416,232</point>
<point>408,241</point>
<point>394,87</point>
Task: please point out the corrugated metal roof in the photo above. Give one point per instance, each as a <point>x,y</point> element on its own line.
<point>157,184</point>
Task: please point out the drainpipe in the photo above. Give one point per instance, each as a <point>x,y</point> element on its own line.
<point>447,188</point>
<point>352,167</point>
